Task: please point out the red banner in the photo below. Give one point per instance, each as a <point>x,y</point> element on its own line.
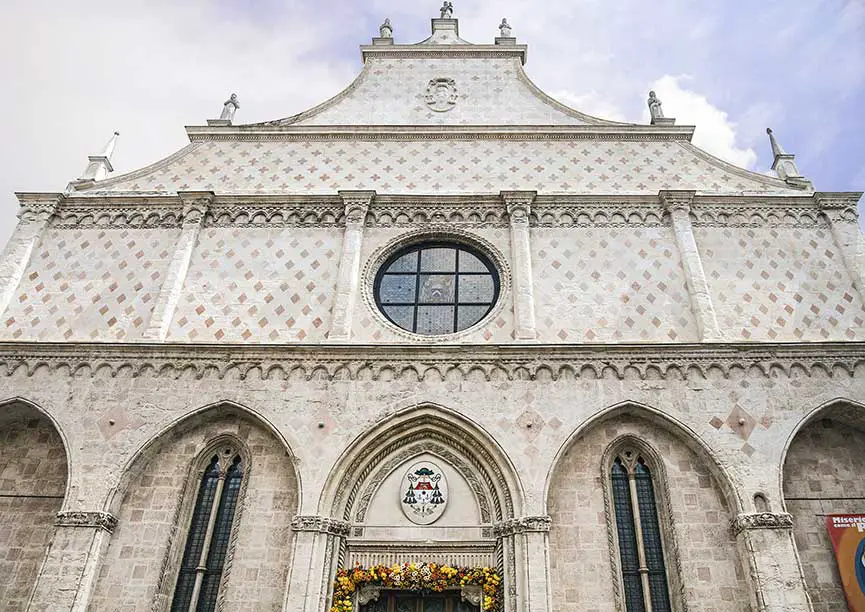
<point>847,532</point>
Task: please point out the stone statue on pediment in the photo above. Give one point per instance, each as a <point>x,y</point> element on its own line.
<point>655,109</point>
<point>447,10</point>
<point>385,30</point>
<point>229,108</point>
<point>505,28</point>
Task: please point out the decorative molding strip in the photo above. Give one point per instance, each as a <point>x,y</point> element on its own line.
<point>93,520</point>
<point>762,520</point>
<point>452,362</point>
<point>320,524</point>
<point>525,524</point>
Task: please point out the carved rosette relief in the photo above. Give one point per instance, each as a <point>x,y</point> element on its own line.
<point>424,493</point>
<point>441,95</point>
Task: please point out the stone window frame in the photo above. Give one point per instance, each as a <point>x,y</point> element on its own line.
<point>435,233</point>
<point>672,562</point>
<point>458,247</point>
<point>182,519</point>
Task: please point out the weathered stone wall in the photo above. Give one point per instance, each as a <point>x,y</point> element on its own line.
<point>696,508</point>
<point>32,486</point>
<point>823,474</point>
<point>140,565</point>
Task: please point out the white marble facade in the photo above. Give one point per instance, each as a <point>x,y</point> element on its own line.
<point>649,295</point>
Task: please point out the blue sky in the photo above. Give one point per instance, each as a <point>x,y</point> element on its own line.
<point>75,72</point>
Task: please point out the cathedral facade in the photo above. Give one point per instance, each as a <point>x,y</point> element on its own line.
<point>439,344</point>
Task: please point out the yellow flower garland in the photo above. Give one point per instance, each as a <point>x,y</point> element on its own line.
<point>416,577</point>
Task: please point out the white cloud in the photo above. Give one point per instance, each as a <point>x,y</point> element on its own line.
<point>715,132</point>
<point>591,103</point>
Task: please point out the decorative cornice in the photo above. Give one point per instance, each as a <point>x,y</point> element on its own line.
<point>677,200</point>
<point>440,361</point>
<point>38,207</point>
<point>357,205</point>
<point>762,520</point>
<point>195,205</point>
<point>525,524</point>
<point>839,207</point>
<point>519,205</point>
<point>320,524</point>
<point>460,132</point>
<point>93,520</point>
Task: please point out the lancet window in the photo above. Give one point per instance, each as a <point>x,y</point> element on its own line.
<point>643,569</point>
<point>209,534</point>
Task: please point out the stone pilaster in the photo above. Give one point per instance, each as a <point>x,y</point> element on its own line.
<point>317,543</point>
<point>527,579</point>
<point>678,204</point>
<point>765,540</point>
<point>842,214</point>
<point>357,204</point>
<point>68,573</point>
<point>195,205</point>
<point>519,207</point>
<point>36,212</point>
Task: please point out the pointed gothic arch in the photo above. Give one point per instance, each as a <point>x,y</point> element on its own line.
<point>409,432</point>
<point>666,422</point>
<point>686,482</point>
<point>160,494</point>
<point>820,474</point>
<point>34,487</point>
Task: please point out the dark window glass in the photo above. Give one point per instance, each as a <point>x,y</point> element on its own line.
<point>633,585</point>
<point>652,538</point>
<point>436,288</point>
<point>217,546</point>
<point>219,541</point>
<point>195,538</point>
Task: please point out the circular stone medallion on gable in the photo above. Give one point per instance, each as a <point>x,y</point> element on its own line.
<point>424,493</point>
<point>441,95</point>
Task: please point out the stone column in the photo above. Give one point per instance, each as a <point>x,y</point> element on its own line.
<point>37,209</point>
<point>318,541</point>
<point>841,212</point>
<point>678,204</point>
<point>765,539</point>
<point>68,573</point>
<point>357,204</point>
<point>525,542</point>
<point>195,205</point>
<point>519,206</point>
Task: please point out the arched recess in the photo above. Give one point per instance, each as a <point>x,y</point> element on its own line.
<point>154,501</point>
<point>365,488</point>
<point>33,484</point>
<point>695,500</point>
<point>822,473</point>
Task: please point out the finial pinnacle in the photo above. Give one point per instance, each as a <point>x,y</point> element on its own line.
<point>99,166</point>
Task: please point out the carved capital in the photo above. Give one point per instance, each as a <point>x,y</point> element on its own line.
<point>357,205</point>
<point>195,205</point>
<point>93,520</point>
<point>526,524</point>
<point>676,200</point>
<point>839,207</point>
<point>320,524</point>
<point>762,520</point>
<point>518,205</point>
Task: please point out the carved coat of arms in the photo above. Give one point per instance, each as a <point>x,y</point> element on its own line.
<point>424,493</point>
<point>441,95</point>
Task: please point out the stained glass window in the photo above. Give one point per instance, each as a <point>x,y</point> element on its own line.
<point>642,562</point>
<point>207,540</point>
<point>438,288</point>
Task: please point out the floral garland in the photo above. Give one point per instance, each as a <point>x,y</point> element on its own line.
<point>416,577</point>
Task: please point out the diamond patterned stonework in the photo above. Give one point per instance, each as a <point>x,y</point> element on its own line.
<point>90,285</point>
<point>781,283</point>
<point>439,167</point>
<point>259,285</point>
<point>610,285</point>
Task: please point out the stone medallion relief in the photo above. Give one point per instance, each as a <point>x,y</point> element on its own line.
<point>424,493</point>
<point>441,95</point>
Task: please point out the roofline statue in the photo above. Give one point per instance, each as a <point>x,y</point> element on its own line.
<point>505,28</point>
<point>229,108</point>
<point>447,10</point>
<point>655,109</point>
